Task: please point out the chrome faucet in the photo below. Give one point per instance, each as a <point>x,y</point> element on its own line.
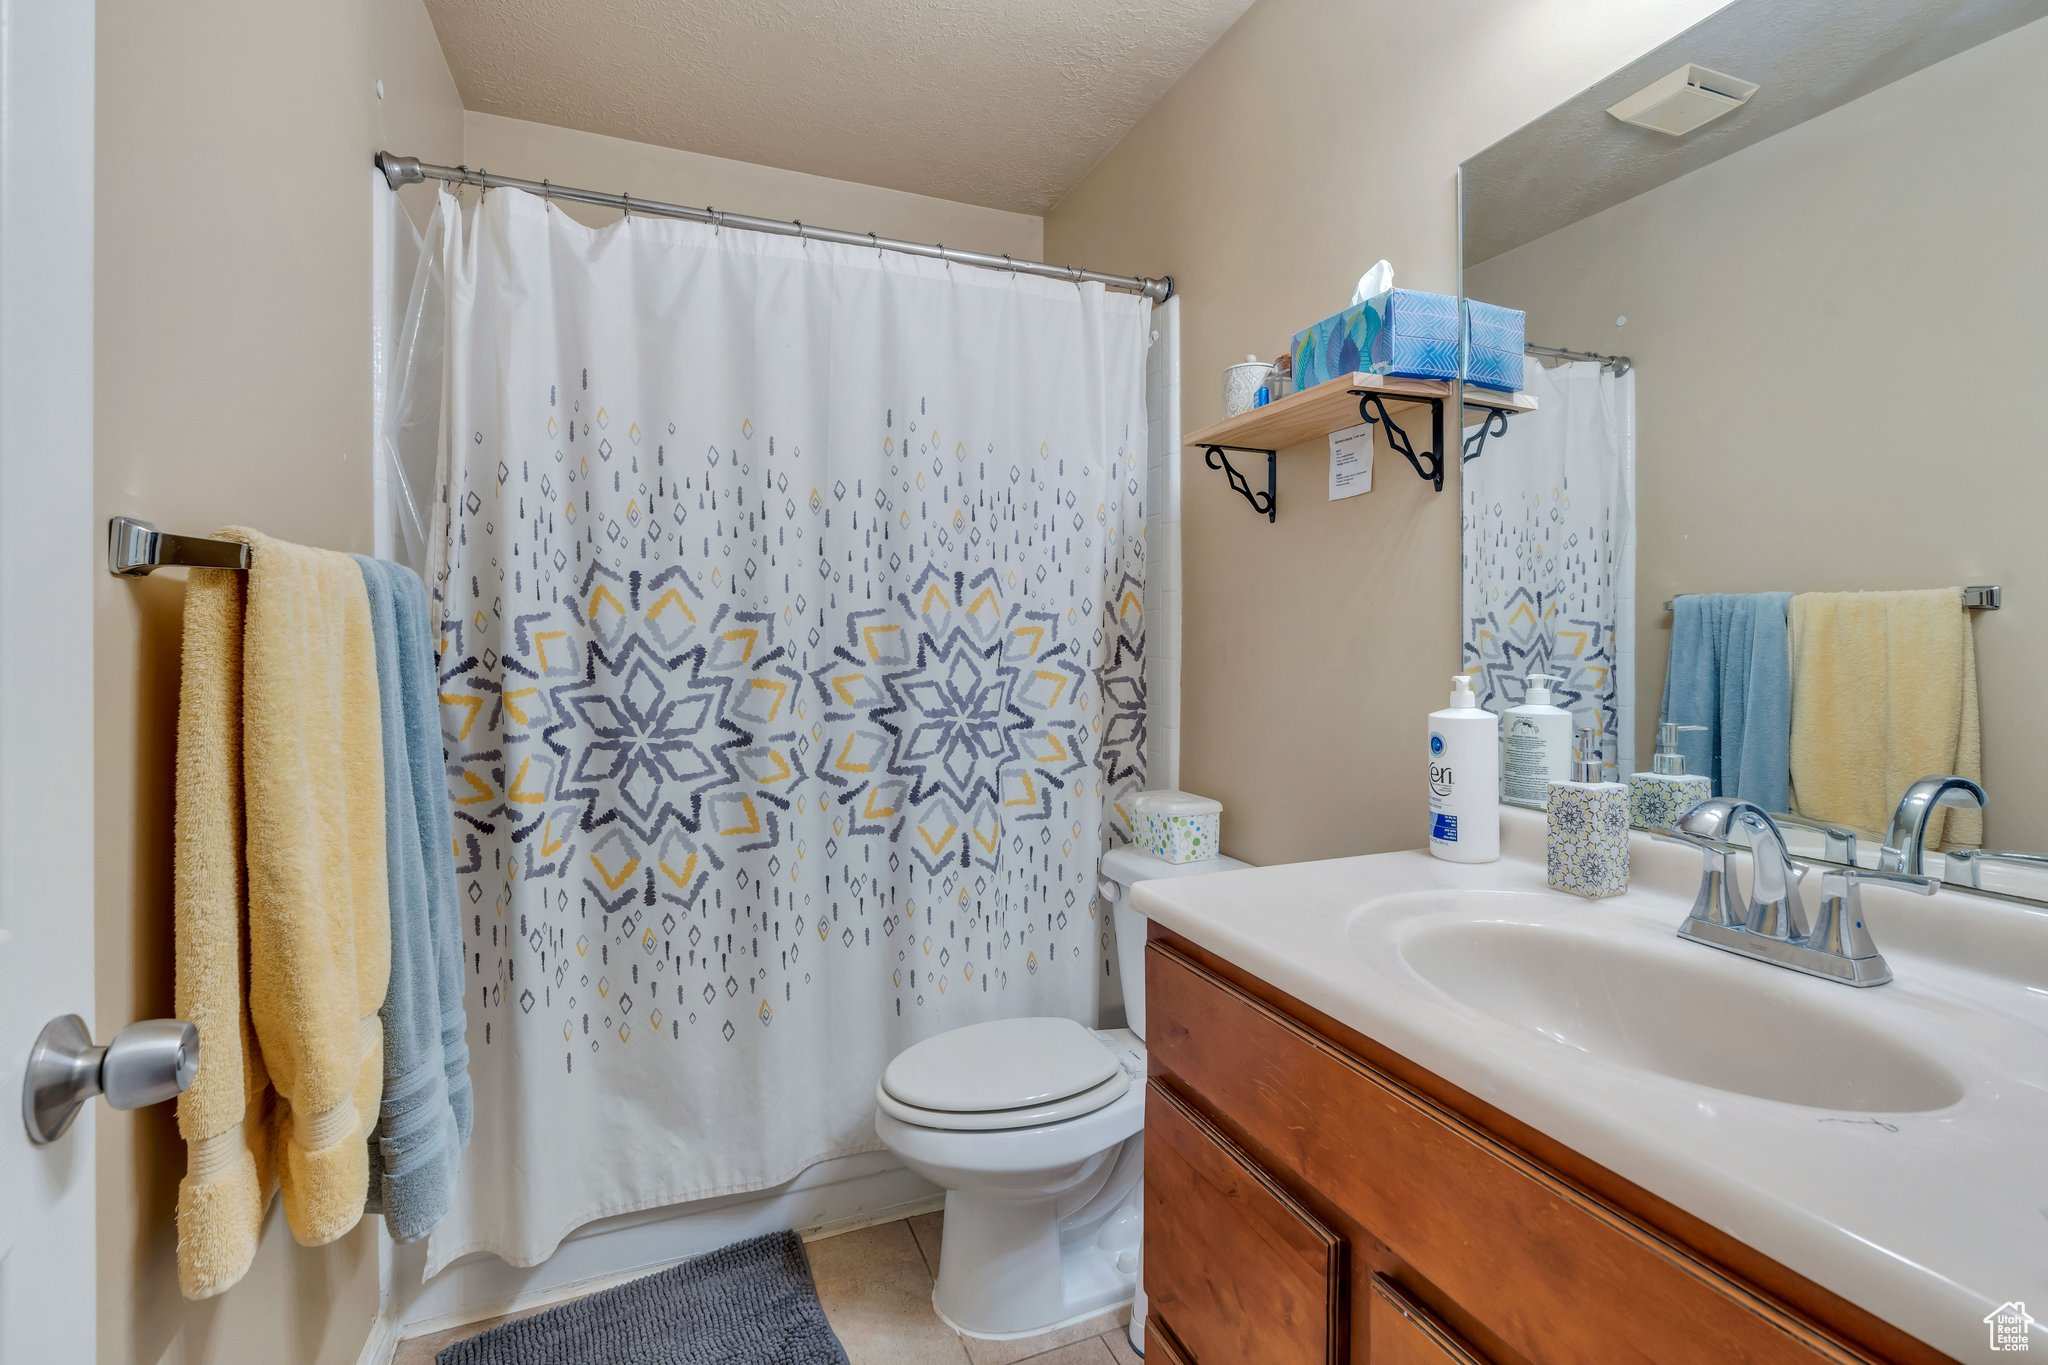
<point>1773,927</point>
<point>1905,844</point>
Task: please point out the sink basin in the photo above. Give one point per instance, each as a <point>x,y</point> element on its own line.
<point>1619,990</point>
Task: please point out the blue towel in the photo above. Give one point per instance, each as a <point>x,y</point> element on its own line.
<point>1731,671</point>
<point>425,1118</point>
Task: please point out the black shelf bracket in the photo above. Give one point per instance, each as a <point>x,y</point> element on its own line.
<point>1429,464</point>
<point>1265,502</point>
<point>1495,424</point>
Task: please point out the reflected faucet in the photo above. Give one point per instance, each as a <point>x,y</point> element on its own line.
<point>1905,843</point>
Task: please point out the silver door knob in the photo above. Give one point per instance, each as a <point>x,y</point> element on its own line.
<point>146,1063</point>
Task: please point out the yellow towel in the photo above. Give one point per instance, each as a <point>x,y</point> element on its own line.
<point>283,926</point>
<point>1884,692</point>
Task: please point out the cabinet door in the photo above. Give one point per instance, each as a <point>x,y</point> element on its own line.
<point>1237,1268</point>
<point>1405,1333</point>
<point>1160,1347</point>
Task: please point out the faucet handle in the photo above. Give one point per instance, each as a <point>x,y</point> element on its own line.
<point>1838,926</point>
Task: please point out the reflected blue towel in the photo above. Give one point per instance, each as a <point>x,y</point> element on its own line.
<point>1731,671</point>
<point>425,1117</point>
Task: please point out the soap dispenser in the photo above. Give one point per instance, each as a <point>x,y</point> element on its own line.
<point>1536,744</point>
<point>1464,779</point>
<point>1588,827</point>
<point>1657,798</point>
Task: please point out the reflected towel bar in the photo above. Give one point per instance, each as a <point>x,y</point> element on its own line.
<point>135,548</point>
<point>1977,597</point>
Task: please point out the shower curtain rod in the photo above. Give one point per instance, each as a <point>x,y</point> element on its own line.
<point>1621,363</point>
<point>410,170</point>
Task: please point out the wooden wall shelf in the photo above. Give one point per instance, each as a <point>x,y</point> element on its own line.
<point>1343,402</point>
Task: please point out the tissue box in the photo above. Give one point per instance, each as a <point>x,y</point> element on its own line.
<point>1412,335</point>
<point>1403,332</point>
<point>1493,345</point>
<point>1177,827</point>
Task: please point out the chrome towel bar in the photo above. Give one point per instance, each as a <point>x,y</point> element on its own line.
<point>135,548</point>
<point>1977,597</point>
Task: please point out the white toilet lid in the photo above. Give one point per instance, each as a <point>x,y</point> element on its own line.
<point>996,1120</point>
<point>1004,1064</point>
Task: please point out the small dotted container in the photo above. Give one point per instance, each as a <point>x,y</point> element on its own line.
<point>1588,853</point>
<point>1176,826</point>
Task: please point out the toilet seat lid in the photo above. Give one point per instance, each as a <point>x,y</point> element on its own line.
<point>1001,1064</point>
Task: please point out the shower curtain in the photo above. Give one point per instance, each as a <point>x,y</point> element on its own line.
<point>792,671</point>
<point>1549,551</point>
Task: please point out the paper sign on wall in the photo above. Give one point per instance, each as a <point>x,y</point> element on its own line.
<point>1351,461</point>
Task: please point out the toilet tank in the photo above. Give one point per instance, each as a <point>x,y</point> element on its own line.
<point>1123,868</point>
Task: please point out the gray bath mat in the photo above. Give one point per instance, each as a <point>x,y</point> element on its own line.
<point>751,1303</point>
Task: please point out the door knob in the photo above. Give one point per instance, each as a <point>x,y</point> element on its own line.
<point>146,1063</point>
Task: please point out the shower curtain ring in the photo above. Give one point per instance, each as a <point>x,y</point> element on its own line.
<point>717,219</point>
<point>547,194</point>
<point>876,243</point>
<point>801,235</point>
<point>483,190</point>
<point>626,197</point>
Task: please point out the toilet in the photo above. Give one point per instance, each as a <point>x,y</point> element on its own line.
<point>1033,1128</point>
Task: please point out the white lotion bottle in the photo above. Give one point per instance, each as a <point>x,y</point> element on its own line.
<point>1536,744</point>
<point>1464,779</point>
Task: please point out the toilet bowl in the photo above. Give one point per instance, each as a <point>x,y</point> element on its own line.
<point>1033,1128</point>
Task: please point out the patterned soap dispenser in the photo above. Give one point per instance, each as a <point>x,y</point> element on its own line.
<point>1658,797</point>
<point>1588,822</point>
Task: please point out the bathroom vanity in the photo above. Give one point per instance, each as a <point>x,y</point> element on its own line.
<point>1402,1111</point>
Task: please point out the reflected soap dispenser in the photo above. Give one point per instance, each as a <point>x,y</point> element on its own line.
<point>1658,797</point>
<point>1536,744</point>
<point>1588,827</point>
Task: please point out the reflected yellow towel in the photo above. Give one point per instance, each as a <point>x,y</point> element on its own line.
<point>1884,692</point>
<point>283,923</point>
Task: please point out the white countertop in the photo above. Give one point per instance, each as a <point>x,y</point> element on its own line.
<point>1928,1220</point>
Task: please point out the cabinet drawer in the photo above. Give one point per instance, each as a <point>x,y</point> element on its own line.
<point>1237,1268</point>
<point>1404,1333</point>
<point>1553,1272</point>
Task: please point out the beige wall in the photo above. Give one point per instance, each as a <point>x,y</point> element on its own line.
<point>1316,137</point>
<point>233,385</point>
<point>537,151</point>
<point>1836,332</point>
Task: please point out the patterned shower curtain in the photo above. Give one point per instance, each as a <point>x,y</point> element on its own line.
<point>1549,551</point>
<point>792,671</point>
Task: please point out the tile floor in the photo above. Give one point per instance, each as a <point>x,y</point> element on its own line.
<point>876,1285</point>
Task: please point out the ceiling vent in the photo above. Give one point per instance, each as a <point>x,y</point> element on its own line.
<point>1683,100</point>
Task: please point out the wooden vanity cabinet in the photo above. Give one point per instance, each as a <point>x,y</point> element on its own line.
<point>1311,1197</point>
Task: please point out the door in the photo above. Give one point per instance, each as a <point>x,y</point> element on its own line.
<point>48,570</point>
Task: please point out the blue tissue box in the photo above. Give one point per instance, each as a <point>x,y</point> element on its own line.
<point>1403,332</point>
<point>1412,335</point>
<point>1493,345</point>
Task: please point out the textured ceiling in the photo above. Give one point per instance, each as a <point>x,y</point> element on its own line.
<point>1808,55</point>
<point>1004,103</point>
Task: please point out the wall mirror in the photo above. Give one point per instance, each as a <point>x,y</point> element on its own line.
<point>1787,298</point>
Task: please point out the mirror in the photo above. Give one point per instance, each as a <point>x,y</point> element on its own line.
<point>1782,358</point>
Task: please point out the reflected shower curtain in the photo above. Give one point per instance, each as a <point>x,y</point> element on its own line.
<point>792,667</point>
<point>1549,552</point>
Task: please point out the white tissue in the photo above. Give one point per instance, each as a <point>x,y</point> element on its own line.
<point>1373,282</point>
